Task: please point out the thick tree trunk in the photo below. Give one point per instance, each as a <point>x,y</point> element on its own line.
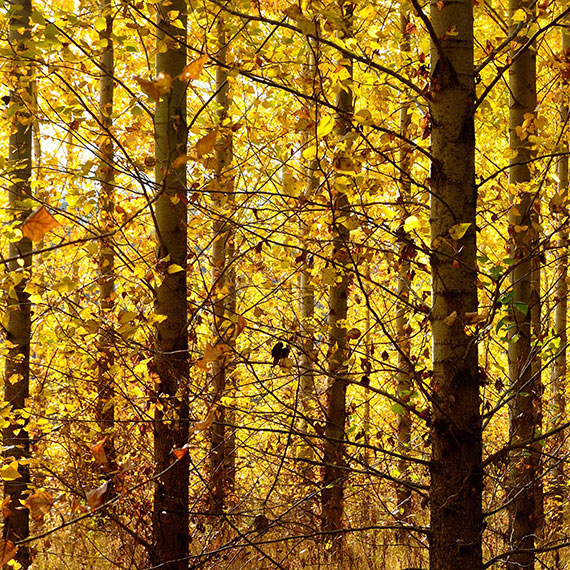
<point>404,385</point>
<point>524,369</point>
<point>559,368</point>
<point>334,468</point>
<point>222,440</point>
<point>456,474</point>
<point>16,440</point>
<point>104,405</point>
<point>170,537</point>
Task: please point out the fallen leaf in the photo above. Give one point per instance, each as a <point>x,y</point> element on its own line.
<point>39,224</point>
<point>39,504</point>
<point>95,496</point>
<point>98,451</point>
<point>7,551</point>
<point>206,143</point>
<point>194,69</point>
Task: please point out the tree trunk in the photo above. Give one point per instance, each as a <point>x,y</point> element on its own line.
<point>559,368</point>
<point>456,473</point>
<point>404,380</point>
<point>104,406</point>
<point>222,452</point>
<point>16,440</point>
<point>524,370</point>
<point>334,468</point>
<point>170,509</point>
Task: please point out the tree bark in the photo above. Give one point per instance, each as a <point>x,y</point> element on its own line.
<point>104,406</point>
<point>456,472</point>
<point>524,370</point>
<point>170,530</point>
<point>222,440</point>
<point>16,439</point>
<point>334,468</point>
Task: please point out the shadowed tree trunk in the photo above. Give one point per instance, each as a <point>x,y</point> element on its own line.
<point>456,473</point>
<point>105,408</point>
<point>222,439</point>
<point>524,370</point>
<point>170,532</point>
<point>16,440</point>
<point>334,469</point>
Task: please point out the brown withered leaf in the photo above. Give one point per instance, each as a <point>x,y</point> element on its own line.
<point>179,161</point>
<point>206,422</point>
<point>157,87</point>
<point>98,451</point>
<point>7,551</point>
<point>95,496</point>
<point>6,512</point>
<point>39,224</point>
<point>39,504</point>
<point>194,69</point>
<point>206,143</point>
<point>474,318</point>
<point>450,319</point>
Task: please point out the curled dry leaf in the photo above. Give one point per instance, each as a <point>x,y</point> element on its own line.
<point>39,224</point>
<point>95,496</point>
<point>39,504</point>
<point>474,318</point>
<point>194,69</point>
<point>7,551</point>
<point>98,451</point>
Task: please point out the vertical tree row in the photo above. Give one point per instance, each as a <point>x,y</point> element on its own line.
<point>16,440</point>
<point>223,299</point>
<point>334,467</point>
<point>170,504</point>
<point>524,371</point>
<point>456,476</point>
<point>104,404</point>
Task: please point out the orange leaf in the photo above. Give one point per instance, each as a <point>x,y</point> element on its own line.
<point>39,504</point>
<point>157,87</point>
<point>39,224</point>
<point>5,505</point>
<point>206,143</point>
<point>7,551</point>
<point>180,452</point>
<point>95,496</point>
<point>98,451</point>
<point>194,69</point>
<point>179,161</point>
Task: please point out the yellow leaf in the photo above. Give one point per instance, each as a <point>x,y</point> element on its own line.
<point>206,143</point>
<point>10,472</point>
<point>157,87</point>
<point>458,230</point>
<point>519,16</point>
<point>39,224</point>
<point>100,24</point>
<point>411,223</point>
<point>326,125</point>
<point>174,268</point>
<point>194,69</point>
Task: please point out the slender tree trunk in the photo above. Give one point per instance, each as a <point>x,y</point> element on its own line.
<point>456,474</point>
<point>222,452</point>
<point>559,368</point>
<point>523,368</point>
<point>104,405</point>
<point>16,440</point>
<point>404,380</point>
<point>334,468</point>
<point>170,536</point>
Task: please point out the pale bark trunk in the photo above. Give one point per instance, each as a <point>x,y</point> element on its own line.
<point>559,368</point>
<point>456,473</point>
<point>104,405</point>
<point>334,468</point>
<point>222,440</point>
<point>524,369</point>
<point>170,530</point>
<point>404,385</point>
<point>16,440</point>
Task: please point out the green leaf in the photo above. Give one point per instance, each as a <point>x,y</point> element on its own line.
<point>399,409</point>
